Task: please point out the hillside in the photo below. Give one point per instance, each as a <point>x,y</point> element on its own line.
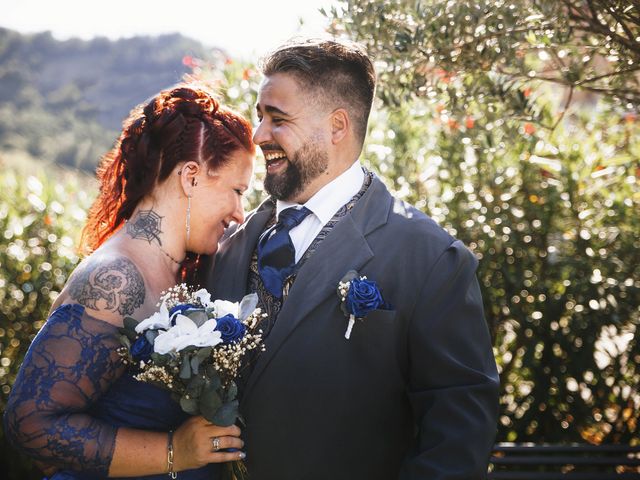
<point>64,101</point>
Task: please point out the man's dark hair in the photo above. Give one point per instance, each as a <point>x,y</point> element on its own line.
<point>340,71</point>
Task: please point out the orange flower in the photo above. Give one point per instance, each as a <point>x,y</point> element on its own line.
<point>187,60</point>
<point>529,128</point>
<point>453,124</point>
<point>469,122</point>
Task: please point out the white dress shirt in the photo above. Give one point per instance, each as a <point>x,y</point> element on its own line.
<point>323,205</point>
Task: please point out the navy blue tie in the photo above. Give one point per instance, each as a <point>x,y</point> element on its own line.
<point>276,253</point>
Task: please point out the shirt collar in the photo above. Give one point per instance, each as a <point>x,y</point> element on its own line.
<point>328,200</point>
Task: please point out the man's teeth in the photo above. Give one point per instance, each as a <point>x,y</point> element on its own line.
<point>274,156</point>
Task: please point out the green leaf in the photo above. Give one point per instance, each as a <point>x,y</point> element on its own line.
<point>160,359</point>
<point>129,328</point>
<point>231,393</point>
<point>195,386</point>
<point>185,369</point>
<point>130,323</point>
<point>125,341</point>
<point>209,403</point>
<point>151,335</point>
<point>210,372</point>
<point>200,357</point>
<point>226,414</point>
<point>248,305</point>
<point>197,316</point>
<point>189,404</point>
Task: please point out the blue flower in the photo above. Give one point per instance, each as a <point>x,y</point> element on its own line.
<point>141,349</point>
<point>231,328</point>
<point>363,297</point>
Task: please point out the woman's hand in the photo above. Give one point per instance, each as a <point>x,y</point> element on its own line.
<point>194,444</point>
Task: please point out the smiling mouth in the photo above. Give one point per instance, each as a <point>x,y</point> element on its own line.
<point>275,160</point>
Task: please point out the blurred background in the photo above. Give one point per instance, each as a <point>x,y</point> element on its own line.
<point>513,124</point>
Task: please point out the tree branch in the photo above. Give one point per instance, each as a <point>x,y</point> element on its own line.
<point>564,110</point>
<point>621,22</point>
<point>606,75</point>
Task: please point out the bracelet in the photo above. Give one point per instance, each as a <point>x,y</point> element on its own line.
<point>172,474</point>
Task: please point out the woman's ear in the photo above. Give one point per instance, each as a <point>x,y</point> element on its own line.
<point>340,124</point>
<point>188,173</point>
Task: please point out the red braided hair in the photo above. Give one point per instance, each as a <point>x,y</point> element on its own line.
<point>178,125</point>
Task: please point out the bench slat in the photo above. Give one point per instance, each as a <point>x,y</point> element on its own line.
<point>561,476</point>
<point>545,448</point>
<point>563,460</point>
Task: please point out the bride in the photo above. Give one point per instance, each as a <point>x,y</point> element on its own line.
<point>171,185</point>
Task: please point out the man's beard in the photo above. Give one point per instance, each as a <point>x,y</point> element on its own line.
<point>307,164</point>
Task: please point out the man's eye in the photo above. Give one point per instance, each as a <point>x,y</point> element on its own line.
<point>277,121</point>
<point>239,192</point>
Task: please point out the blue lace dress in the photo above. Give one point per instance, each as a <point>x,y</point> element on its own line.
<point>73,392</point>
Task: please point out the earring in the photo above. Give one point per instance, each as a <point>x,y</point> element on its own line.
<point>188,223</point>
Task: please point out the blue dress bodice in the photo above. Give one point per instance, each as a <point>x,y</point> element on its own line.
<point>72,394</point>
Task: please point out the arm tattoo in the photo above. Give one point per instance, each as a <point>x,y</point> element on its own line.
<point>116,286</point>
<point>146,226</point>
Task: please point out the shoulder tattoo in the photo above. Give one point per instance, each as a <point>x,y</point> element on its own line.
<point>116,286</point>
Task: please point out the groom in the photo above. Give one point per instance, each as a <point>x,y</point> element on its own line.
<point>412,393</point>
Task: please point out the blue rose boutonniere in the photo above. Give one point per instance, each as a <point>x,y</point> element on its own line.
<point>358,297</point>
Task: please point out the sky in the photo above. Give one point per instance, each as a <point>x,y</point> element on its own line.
<point>244,28</point>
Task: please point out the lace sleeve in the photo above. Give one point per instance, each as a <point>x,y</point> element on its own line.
<point>70,364</point>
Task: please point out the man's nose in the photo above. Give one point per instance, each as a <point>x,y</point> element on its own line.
<point>261,134</point>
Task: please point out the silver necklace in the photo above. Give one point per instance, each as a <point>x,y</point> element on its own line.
<point>169,256</point>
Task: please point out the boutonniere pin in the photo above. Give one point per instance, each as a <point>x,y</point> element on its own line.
<point>358,297</point>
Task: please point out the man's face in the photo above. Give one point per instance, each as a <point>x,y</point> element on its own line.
<point>293,135</point>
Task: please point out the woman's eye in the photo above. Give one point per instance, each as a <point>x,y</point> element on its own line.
<point>238,191</point>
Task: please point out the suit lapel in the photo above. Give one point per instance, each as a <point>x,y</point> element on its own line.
<point>344,249</point>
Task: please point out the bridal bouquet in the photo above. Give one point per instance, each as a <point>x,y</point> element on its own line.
<point>194,347</point>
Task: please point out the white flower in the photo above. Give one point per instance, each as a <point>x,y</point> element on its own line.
<point>186,333</point>
<point>204,297</point>
<point>159,319</point>
<point>224,307</point>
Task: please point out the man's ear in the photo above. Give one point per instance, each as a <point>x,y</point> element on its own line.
<point>188,173</point>
<point>340,125</point>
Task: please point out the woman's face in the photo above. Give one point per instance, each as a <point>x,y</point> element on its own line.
<point>216,201</point>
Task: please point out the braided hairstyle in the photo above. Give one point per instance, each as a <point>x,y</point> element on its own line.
<point>178,125</point>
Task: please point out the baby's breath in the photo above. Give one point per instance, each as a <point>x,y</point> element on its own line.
<point>155,374</point>
<point>178,295</point>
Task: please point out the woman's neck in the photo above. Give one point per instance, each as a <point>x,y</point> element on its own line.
<point>147,234</point>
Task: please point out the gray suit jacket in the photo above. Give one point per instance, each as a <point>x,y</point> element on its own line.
<point>412,394</point>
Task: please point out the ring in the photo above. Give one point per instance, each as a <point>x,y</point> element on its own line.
<point>215,443</point>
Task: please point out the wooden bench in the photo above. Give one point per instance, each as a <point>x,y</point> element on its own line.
<point>529,461</point>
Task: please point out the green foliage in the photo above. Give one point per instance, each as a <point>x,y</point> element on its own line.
<point>40,220</point>
<point>546,197</point>
<point>492,45</point>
